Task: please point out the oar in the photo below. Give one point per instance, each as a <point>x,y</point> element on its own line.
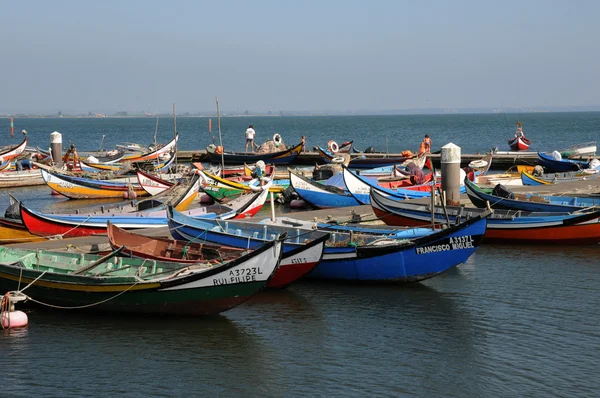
<point>98,262</point>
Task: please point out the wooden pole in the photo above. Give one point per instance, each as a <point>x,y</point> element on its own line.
<point>220,137</point>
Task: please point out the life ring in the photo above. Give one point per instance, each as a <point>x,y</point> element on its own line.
<point>478,164</point>
<point>338,160</point>
<point>333,146</point>
<point>277,139</point>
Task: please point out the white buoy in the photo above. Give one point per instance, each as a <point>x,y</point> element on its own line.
<point>14,319</point>
<point>9,317</point>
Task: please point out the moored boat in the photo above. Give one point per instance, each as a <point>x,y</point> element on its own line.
<point>292,267</point>
<point>277,158</point>
<point>556,178</point>
<point>118,284</point>
<point>363,162</point>
<point>555,163</point>
<point>351,256</point>
<point>503,226</point>
<point>86,188</point>
<point>526,202</point>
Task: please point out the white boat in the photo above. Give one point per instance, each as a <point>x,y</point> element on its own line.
<point>24,178</point>
<point>584,149</point>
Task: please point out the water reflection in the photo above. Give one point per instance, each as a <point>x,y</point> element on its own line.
<point>165,355</point>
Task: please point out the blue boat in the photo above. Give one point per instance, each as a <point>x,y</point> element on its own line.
<point>553,165</point>
<point>360,188</point>
<point>528,202</point>
<point>319,195</point>
<point>349,256</point>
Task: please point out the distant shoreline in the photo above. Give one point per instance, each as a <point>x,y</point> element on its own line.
<point>292,114</point>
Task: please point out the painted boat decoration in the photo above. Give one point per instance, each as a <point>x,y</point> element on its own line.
<point>527,202</point>
<point>519,143</point>
<point>550,164</point>
<point>556,178</point>
<point>134,285</point>
<point>348,256</point>
<point>363,162</point>
<point>10,153</point>
<point>277,158</point>
<point>152,184</point>
<point>319,195</point>
<point>85,188</point>
<point>503,226</point>
<point>69,225</point>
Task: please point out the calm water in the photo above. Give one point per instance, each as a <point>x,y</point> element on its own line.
<point>512,321</point>
<point>474,133</point>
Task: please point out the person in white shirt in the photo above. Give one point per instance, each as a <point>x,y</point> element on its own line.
<point>250,133</point>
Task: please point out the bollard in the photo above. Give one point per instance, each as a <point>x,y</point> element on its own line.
<point>451,174</point>
<point>56,147</point>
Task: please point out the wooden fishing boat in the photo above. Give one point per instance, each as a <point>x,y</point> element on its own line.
<point>319,195</point>
<point>551,165</point>
<point>556,178</point>
<point>579,150</point>
<point>503,226</point>
<point>527,202</point>
<point>23,178</point>
<point>277,158</point>
<point>349,256</point>
<point>360,187</point>
<point>11,152</point>
<point>72,225</point>
<point>363,162</point>
<point>164,249</point>
<point>222,190</point>
<point>86,188</point>
<point>132,285</point>
<point>86,166</point>
<point>519,143</point>
<point>151,183</point>
<point>291,268</point>
<point>158,153</point>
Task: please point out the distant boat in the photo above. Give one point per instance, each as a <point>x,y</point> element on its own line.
<point>519,144</point>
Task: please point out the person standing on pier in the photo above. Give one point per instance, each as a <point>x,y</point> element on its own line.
<point>250,134</point>
<point>303,143</point>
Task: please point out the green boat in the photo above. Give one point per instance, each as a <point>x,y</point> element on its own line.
<point>121,284</point>
<point>223,190</point>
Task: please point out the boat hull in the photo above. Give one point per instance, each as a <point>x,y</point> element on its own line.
<point>277,158</point>
<point>559,229</point>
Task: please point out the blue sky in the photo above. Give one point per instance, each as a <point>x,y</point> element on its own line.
<point>297,56</point>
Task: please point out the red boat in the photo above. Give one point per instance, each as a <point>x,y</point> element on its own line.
<point>519,144</point>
